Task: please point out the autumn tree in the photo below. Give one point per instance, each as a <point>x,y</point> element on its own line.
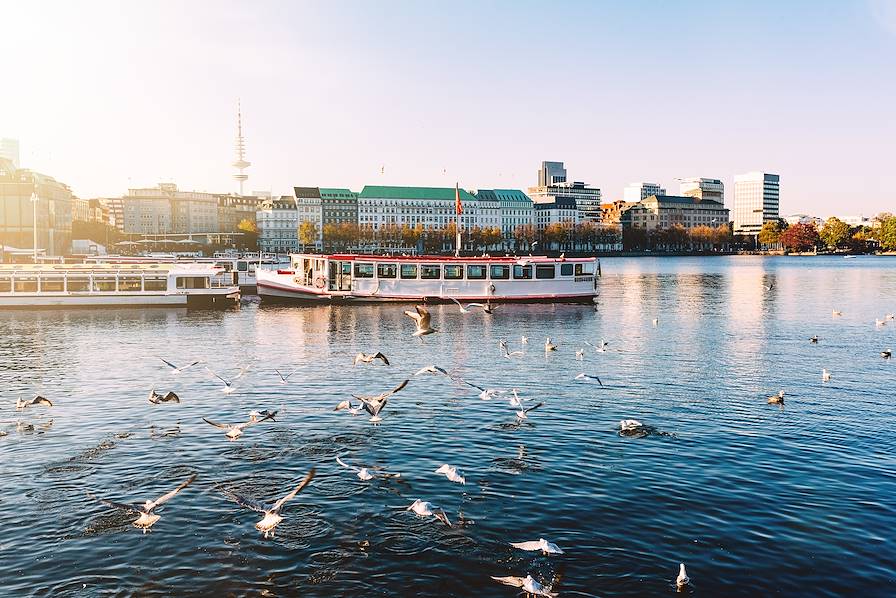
<point>886,231</point>
<point>835,233</point>
<point>249,239</point>
<point>770,233</point>
<point>524,235</point>
<point>799,237</point>
<point>308,233</point>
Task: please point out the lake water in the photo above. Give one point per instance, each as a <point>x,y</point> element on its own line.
<point>756,499</point>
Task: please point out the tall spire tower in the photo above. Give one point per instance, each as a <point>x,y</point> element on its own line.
<point>240,164</point>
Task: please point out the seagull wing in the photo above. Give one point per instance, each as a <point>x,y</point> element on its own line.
<point>169,364</point>
<point>225,381</point>
<point>533,407</point>
<point>510,580</point>
<point>166,497</point>
<point>469,305</point>
<point>171,396</point>
<point>116,505</point>
<point>216,424</point>
<point>456,301</point>
<point>425,317</point>
<point>244,502</point>
<point>191,365</point>
<point>396,389</point>
<point>282,378</point>
<point>343,463</point>
<point>39,400</point>
<point>279,504</point>
<point>379,355</point>
<point>531,545</point>
<point>441,516</point>
<point>414,316</point>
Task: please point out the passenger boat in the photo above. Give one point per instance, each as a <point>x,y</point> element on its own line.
<point>369,278</point>
<point>92,285</point>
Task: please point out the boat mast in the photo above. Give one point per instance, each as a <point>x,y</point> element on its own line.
<point>458,209</point>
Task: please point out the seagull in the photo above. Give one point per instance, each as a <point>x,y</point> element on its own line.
<point>584,376</point>
<point>155,398</point>
<point>426,509</point>
<point>228,384</point>
<point>432,369</point>
<point>244,369</point>
<point>601,348</point>
<point>580,354</point>
<point>509,354</point>
<point>234,431</point>
<point>285,379</point>
<point>363,473</point>
<point>452,474</point>
<point>271,513</point>
<point>524,340</point>
<point>484,393</point>
<point>348,406</point>
<point>540,544</point>
<point>825,375</point>
<point>423,319</point>
<point>368,358</point>
<point>259,416</point>
<point>814,339</point>
<point>886,353</point>
<point>488,309</point>
<point>147,518</point>
<point>682,580</point>
<point>879,322</point>
<point>527,584</point>
<point>548,345</point>
<point>467,310</point>
<point>522,413</point>
<point>175,369</point>
<point>374,404</point>
<point>835,313</point>
<point>37,400</point>
<point>656,321</point>
<point>890,317</point>
<point>777,399</point>
<point>627,425</point>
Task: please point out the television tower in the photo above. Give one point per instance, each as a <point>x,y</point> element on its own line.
<point>240,164</point>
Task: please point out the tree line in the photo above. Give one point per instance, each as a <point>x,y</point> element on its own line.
<point>834,235</point>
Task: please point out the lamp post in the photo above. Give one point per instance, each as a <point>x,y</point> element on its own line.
<point>34,199</point>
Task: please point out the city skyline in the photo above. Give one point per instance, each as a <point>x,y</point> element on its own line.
<point>387,102</point>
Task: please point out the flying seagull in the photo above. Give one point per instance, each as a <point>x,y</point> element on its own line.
<point>347,405</point>
<point>541,544</point>
<point>234,431</point>
<point>37,400</point>
<point>777,399</point>
<point>363,473</point>
<point>426,509</point>
<point>423,319</point>
<point>258,416</point>
<point>155,398</point>
<point>373,405</point>
<point>432,369</point>
<point>178,369</point>
<point>368,358</point>
<point>271,513</point>
<point>484,393</point>
<point>522,412</point>
<point>147,518</point>
<point>452,473</point>
<point>467,310</point>
<point>584,376</point>
<point>601,348</point>
<point>528,584</point>
<point>284,379</point>
<point>228,384</point>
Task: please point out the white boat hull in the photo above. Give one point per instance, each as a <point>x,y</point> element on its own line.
<point>21,300</point>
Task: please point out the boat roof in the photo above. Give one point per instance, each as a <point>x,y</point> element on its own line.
<point>444,258</point>
<point>114,267</point>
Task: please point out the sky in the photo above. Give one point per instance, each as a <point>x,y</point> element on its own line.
<point>110,95</point>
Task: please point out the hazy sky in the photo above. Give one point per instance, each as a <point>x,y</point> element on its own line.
<point>107,95</point>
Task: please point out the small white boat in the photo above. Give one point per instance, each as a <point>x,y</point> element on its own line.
<point>372,278</point>
<point>94,285</point>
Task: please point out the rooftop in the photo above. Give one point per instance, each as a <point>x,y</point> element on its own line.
<point>386,192</point>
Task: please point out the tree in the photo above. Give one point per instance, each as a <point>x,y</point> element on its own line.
<point>524,235</point>
<point>886,231</point>
<point>249,239</point>
<point>308,233</point>
<point>835,233</point>
<point>771,232</point>
<point>799,237</point>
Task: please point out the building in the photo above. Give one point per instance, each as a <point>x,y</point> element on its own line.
<point>278,224</point>
<point>701,188</point>
<point>53,208</point>
<point>635,192</point>
<point>115,209</point>
<point>551,173</point>
<point>756,201</point>
<point>164,210</point>
<point>562,210</point>
<point>506,209</point>
<point>553,188</point>
<point>338,206</point>
<point>9,149</point>
<point>431,207</point>
<point>665,211</point>
<point>610,213</point>
<point>859,220</point>
<point>233,209</point>
<point>803,219</point>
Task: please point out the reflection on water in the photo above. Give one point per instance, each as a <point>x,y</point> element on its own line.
<point>753,498</point>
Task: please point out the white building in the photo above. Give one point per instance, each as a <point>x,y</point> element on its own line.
<point>164,209</point>
<point>858,220</point>
<point>635,192</point>
<point>9,149</point>
<point>756,201</point>
<point>803,219</point>
<point>278,224</point>
<point>432,207</point>
<point>506,209</point>
<point>702,188</point>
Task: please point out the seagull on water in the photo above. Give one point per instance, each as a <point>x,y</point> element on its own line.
<point>228,384</point>
<point>369,357</point>
<point>452,473</point>
<point>656,322</point>
<point>467,310</point>
<point>879,322</point>
<point>835,313</point>
<point>423,508</point>
<point>147,518</point>
<point>234,431</point>
<point>584,376</point>
<point>886,353</point>
<point>37,400</point>
<point>284,379</point>
<point>374,404</point>
<point>528,584</point>
<point>825,375</point>
<point>814,339</point>
<point>548,345</point>
<point>777,399</point>
<point>178,369</point>
<point>509,354</point>
<point>169,397</point>
<point>347,405</point>
<point>540,544</point>
<point>682,580</point>
<point>423,319</point>
<point>271,513</point>
<point>580,354</point>
<point>524,340</point>
<point>601,348</point>
<point>890,317</point>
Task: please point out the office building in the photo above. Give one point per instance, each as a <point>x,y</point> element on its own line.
<point>53,207</point>
<point>756,201</point>
<point>665,211</point>
<point>702,188</point>
<point>164,210</point>
<point>551,173</point>
<point>635,192</point>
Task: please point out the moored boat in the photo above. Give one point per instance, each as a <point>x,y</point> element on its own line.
<point>93,285</point>
<point>369,278</point>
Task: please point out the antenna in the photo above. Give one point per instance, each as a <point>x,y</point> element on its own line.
<point>240,164</point>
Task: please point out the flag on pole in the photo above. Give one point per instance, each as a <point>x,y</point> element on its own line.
<point>458,208</point>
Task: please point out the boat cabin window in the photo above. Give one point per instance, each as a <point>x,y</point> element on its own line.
<point>522,272</point>
<point>582,269</point>
<point>430,271</point>
<point>242,266</point>
<point>5,284</point>
<point>103,283</point>
<point>409,270</point>
<point>386,270</point>
<point>476,272</point>
<point>363,270</point>
<point>192,282</point>
<point>151,283</point>
<point>499,272</point>
<point>129,283</point>
<point>543,271</point>
<point>454,272</point>
<point>26,284</point>
<point>566,269</point>
<point>77,284</point>
<point>55,284</point>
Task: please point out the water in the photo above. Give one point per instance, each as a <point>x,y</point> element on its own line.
<point>754,498</point>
